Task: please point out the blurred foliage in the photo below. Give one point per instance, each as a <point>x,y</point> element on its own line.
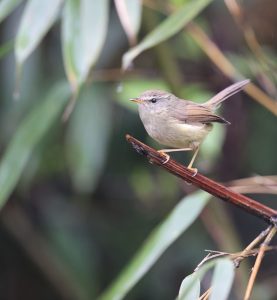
<point>162,237</point>
<point>224,271</point>
<point>87,137</point>
<point>77,202</point>
<point>26,138</point>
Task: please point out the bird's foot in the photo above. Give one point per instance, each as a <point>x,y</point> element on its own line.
<point>194,170</point>
<point>167,157</point>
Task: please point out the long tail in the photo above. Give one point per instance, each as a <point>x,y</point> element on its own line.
<point>214,102</point>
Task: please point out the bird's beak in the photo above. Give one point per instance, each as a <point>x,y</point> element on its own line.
<point>137,100</point>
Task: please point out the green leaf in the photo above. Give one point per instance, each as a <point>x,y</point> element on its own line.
<point>166,29</point>
<point>221,283</point>
<point>191,284</point>
<point>222,279</point>
<point>182,216</point>
<point>190,281</point>
<point>87,138</point>
<point>6,7</point>
<point>129,12</point>
<point>38,17</point>
<point>27,137</point>
<point>84,29</point>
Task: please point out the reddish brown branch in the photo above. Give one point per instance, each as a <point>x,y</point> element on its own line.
<point>251,206</point>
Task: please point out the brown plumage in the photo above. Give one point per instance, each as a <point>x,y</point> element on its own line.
<point>178,123</point>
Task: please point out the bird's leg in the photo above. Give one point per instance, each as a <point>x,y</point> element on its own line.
<point>175,150</point>
<point>192,161</point>
<point>163,151</point>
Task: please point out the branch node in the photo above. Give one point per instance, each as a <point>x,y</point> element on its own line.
<point>274,221</point>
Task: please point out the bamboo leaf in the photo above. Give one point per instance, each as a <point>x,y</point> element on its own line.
<point>222,279</point>
<point>6,7</point>
<point>182,216</point>
<point>221,283</point>
<point>191,283</point>
<point>166,29</point>
<point>27,137</point>
<point>87,138</point>
<point>38,17</point>
<point>129,12</point>
<point>84,29</point>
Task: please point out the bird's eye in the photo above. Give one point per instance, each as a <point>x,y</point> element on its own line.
<point>153,100</point>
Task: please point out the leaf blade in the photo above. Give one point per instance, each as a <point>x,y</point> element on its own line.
<point>82,20</point>
<point>166,29</point>
<point>34,26</point>
<point>6,7</point>
<point>222,279</point>
<point>192,284</point>
<point>129,12</point>
<point>26,138</point>
<point>87,138</point>
<point>157,242</point>
<point>224,269</point>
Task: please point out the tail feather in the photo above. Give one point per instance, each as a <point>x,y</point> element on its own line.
<point>214,102</point>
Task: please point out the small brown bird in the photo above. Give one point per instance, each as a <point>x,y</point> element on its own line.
<point>179,123</point>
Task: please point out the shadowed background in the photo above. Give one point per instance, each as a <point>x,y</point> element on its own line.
<point>80,201</point>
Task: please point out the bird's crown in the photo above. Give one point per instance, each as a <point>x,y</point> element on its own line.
<point>157,94</point>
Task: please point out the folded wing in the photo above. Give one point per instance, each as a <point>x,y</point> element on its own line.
<point>190,112</point>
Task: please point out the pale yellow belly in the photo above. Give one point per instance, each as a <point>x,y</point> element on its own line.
<point>180,135</point>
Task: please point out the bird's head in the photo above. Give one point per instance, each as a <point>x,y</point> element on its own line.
<point>154,100</point>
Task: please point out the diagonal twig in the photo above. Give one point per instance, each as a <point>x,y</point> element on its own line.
<point>249,205</point>
<point>257,240</point>
<point>206,294</point>
<point>237,257</point>
<point>258,262</point>
<point>225,66</point>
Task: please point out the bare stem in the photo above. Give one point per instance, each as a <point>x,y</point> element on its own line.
<point>206,295</point>
<point>238,256</point>
<point>258,262</point>
<point>257,240</point>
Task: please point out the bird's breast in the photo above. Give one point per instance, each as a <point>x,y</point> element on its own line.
<point>172,133</point>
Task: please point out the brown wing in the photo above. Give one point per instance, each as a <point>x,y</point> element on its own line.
<point>190,112</point>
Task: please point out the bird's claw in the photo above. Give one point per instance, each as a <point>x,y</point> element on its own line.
<point>195,170</point>
<point>167,157</point>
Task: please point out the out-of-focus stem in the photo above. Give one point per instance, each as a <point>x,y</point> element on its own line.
<point>224,65</point>
<point>164,56</point>
<point>258,263</point>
